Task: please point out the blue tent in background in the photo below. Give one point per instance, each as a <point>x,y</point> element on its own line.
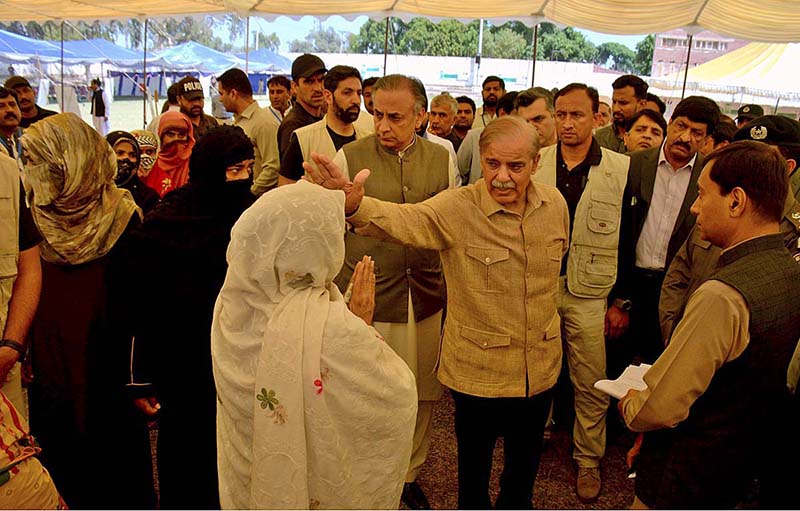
<point>278,62</point>
<point>105,50</point>
<point>17,48</point>
<point>193,56</point>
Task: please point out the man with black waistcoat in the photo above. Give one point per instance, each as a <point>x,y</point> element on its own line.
<point>662,185</point>
<point>101,107</point>
<point>716,394</point>
<point>592,180</point>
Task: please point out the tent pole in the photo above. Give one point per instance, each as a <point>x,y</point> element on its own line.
<point>535,49</point>
<point>62,67</point>
<point>386,45</point>
<point>144,75</point>
<point>686,71</point>
<point>247,46</point>
<point>776,106</point>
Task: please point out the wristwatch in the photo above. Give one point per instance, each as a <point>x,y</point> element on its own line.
<point>625,305</point>
<point>23,351</point>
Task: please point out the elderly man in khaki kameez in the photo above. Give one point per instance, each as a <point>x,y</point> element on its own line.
<point>501,241</point>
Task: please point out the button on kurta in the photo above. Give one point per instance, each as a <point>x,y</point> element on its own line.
<point>488,259</point>
<point>408,271</point>
<point>405,188</point>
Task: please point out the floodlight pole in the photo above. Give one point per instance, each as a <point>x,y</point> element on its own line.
<point>386,45</point>
<point>686,71</point>
<point>62,66</point>
<point>247,46</point>
<point>535,49</point>
<point>144,78</point>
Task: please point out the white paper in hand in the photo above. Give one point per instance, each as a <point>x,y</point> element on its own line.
<point>631,378</point>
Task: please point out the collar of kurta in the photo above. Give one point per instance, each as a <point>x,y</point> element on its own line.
<point>409,149</point>
<point>592,159</point>
<point>489,206</point>
<point>753,245</point>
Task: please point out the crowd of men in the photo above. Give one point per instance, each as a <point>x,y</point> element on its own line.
<point>540,226</point>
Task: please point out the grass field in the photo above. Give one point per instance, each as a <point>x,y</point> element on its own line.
<point>126,114</point>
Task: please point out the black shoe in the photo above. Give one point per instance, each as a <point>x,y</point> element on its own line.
<point>414,497</point>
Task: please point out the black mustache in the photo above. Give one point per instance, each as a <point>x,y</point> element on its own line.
<point>11,116</point>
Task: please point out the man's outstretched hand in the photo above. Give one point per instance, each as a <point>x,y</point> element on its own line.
<point>327,174</point>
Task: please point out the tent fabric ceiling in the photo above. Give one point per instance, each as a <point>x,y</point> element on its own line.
<point>758,69</point>
<point>759,20</point>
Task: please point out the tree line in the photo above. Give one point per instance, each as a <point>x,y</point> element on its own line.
<point>420,36</point>
<point>162,33</point>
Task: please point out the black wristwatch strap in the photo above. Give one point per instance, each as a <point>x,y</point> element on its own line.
<point>23,351</point>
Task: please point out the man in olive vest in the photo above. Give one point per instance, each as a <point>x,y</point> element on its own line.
<point>592,180</point>
<point>338,127</point>
<point>409,284</point>
<point>20,280</point>
<point>715,404</point>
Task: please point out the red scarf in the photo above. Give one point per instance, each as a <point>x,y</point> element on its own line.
<point>171,169</point>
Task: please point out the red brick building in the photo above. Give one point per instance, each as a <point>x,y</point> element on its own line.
<point>669,54</point>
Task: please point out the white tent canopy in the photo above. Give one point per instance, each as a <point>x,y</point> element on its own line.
<point>758,20</point>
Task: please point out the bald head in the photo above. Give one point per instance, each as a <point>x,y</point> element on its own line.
<point>507,129</point>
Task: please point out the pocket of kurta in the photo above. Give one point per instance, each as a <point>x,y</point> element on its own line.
<point>487,259</point>
<point>8,266</point>
<point>485,340</point>
<point>553,330</point>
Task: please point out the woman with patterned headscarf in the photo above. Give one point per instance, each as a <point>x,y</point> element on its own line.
<point>148,144</point>
<point>129,158</point>
<point>314,411</point>
<point>171,169</point>
<point>77,395</point>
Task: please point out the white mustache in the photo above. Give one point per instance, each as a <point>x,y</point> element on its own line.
<point>496,183</point>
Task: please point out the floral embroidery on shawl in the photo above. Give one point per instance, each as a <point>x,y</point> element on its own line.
<point>268,400</point>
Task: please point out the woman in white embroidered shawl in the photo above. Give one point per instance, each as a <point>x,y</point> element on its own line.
<point>314,409</point>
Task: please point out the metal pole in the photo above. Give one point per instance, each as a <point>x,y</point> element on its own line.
<point>144,79</point>
<point>247,46</point>
<point>480,52</point>
<point>386,45</point>
<point>776,106</point>
<point>535,50</point>
<point>62,67</point>
<point>688,60</point>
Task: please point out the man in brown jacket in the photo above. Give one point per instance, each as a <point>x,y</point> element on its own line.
<point>501,241</point>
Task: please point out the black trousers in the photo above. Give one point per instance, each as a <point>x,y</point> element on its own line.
<point>642,342</point>
<point>478,423</point>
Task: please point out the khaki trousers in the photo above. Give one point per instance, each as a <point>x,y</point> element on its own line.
<point>582,325</point>
<point>417,343</point>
